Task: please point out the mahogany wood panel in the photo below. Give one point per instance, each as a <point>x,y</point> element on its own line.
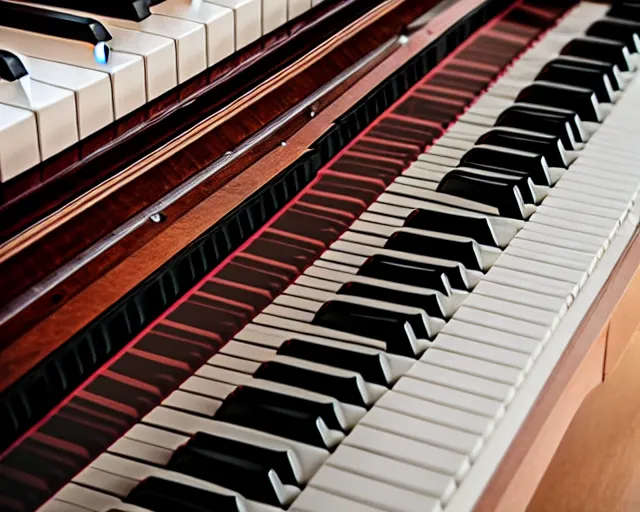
<point>597,465</point>
<point>580,370</point>
<point>62,243</point>
<point>117,272</point>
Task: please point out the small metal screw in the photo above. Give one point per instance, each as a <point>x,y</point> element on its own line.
<point>283,144</point>
<point>156,218</point>
<point>312,114</point>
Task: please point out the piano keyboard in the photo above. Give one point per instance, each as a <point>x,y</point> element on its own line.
<point>424,316</point>
<point>69,93</point>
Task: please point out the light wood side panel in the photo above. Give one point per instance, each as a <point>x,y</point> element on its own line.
<point>596,467</point>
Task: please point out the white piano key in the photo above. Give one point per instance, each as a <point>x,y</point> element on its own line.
<point>581,197</point>
<point>577,226</point>
<point>621,196</point>
<point>156,437</point>
<point>371,492</point>
<point>274,15</point>
<point>441,369</point>
<point>450,397</point>
<point>423,431</point>
<point>578,218</point>
<point>542,269</point>
<point>217,20</point>
<point>293,314</point>
<point>407,450</point>
<point>518,311</point>
<point>140,451</point>
<point>303,458</point>
<point>553,240</point>
<point>248,19</point>
<point>92,90</point>
<point>437,413</point>
<point>86,498</point>
<point>159,54</point>
<point>482,351</point>
<point>393,472</point>
<point>54,108</point>
<point>553,259</point>
<point>554,305</point>
<point>297,7</point>
<point>533,283</point>
<point>19,150</point>
<point>62,506</point>
<point>247,351</point>
<point>192,403</point>
<point>126,71</point>
<point>235,363</point>
<point>503,323</point>
<point>486,370</point>
<point>315,500</point>
<point>492,336</point>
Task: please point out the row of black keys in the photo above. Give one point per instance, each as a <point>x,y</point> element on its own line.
<point>566,92</point>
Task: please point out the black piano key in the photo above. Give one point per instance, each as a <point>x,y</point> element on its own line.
<point>521,180</point>
<point>573,74</point>
<point>625,31</point>
<point>396,329</point>
<point>597,48</point>
<point>477,228</point>
<point>51,23</point>
<point>625,11</point>
<point>538,118</point>
<point>509,162</point>
<point>434,277</point>
<point>611,70</point>
<point>133,10</point>
<point>549,146</point>
<point>503,196</point>
<point>341,388</point>
<point>578,99</point>
<point>283,415</point>
<point>162,495</point>
<point>11,67</point>
<point>428,303</point>
<point>370,366</point>
<point>237,466</point>
<point>425,245</point>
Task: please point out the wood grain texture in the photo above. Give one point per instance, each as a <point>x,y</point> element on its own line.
<point>581,369</point>
<point>597,465</point>
<point>116,273</point>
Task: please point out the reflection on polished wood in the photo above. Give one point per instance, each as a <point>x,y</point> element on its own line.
<point>597,465</point>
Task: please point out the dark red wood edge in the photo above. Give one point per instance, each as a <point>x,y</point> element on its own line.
<point>36,193</point>
<point>27,267</point>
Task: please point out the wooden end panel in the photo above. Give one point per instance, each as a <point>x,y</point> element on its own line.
<point>624,323</point>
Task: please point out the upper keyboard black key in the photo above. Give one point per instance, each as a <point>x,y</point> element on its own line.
<point>11,67</point>
<point>133,10</point>
<point>564,123</point>
<point>279,414</point>
<point>345,389</point>
<point>427,302</point>
<point>370,366</point>
<point>627,32</point>
<point>597,48</point>
<point>396,329</point>
<point>611,70</point>
<point>625,10</point>
<point>162,495</point>
<point>578,99</point>
<point>434,277</point>
<point>510,161</point>
<point>573,74</point>
<point>477,228</point>
<point>234,465</point>
<point>51,23</point>
<point>549,146</point>
<point>503,196</point>
<point>454,250</point>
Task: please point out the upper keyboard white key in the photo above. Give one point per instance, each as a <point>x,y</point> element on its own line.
<point>19,149</point>
<point>248,19</point>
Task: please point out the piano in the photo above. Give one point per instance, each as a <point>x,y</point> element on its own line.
<point>314,256</point>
